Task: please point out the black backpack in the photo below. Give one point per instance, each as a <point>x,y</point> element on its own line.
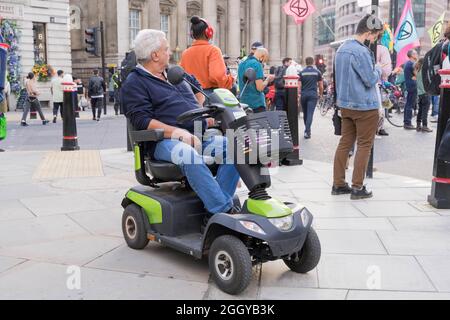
<point>431,65</point>
<point>279,77</point>
<point>128,64</point>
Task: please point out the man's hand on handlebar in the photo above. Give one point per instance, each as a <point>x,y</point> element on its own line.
<point>188,138</point>
<point>211,122</point>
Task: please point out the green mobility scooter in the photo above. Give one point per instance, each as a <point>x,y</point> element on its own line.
<point>164,209</point>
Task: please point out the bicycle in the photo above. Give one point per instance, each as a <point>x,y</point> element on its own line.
<point>326,104</point>
<point>393,103</point>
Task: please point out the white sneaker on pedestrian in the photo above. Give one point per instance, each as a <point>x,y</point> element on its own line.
<point>434,119</point>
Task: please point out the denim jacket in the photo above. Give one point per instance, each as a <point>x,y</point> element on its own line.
<point>356,77</point>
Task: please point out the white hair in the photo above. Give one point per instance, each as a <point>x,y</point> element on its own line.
<point>147,41</point>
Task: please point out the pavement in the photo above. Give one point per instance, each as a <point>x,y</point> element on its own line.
<point>61,238</point>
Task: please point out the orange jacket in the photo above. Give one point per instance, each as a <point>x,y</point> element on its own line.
<point>205,62</point>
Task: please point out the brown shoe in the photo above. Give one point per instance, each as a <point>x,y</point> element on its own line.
<point>409,127</point>
<point>426,130</point>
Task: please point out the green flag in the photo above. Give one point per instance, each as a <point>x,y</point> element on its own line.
<point>436,30</point>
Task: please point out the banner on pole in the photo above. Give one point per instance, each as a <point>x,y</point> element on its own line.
<point>299,9</point>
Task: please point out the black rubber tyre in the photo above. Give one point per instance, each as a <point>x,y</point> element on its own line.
<point>133,227</point>
<point>231,250</point>
<point>309,257</point>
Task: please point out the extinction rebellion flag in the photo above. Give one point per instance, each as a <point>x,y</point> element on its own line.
<point>406,37</point>
<point>299,9</point>
<point>436,30</point>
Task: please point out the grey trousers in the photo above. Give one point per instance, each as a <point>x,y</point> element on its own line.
<point>37,106</point>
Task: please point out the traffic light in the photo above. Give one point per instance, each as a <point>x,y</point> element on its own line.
<point>91,41</point>
<point>320,64</point>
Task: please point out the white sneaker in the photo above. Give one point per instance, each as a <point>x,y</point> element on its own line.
<point>434,119</point>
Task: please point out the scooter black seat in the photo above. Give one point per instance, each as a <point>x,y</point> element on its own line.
<point>170,172</point>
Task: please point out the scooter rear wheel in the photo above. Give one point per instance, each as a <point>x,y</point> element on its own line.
<point>133,227</point>
<point>230,264</point>
<point>308,258</point>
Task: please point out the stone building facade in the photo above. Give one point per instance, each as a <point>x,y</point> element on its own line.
<point>237,23</point>
<point>44,35</point>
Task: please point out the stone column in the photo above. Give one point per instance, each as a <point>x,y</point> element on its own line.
<point>123,41</point>
<point>292,39</point>
<point>154,15</point>
<point>256,17</point>
<point>308,38</point>
<point>182,24</point>
<point>234,28</point>
<point>275,32</point>
<point>210,14</point>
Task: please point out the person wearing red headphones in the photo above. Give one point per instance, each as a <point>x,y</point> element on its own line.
<point>204,60</point>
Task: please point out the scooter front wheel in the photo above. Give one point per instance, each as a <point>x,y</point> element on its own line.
<point>308,258</point>
<point>230,264</point>
<point>133,227</point>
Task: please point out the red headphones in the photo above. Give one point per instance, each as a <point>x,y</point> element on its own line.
<point>209,31</point>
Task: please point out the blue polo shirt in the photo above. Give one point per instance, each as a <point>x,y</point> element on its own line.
<point>252,97</point>
<point>309,78</point>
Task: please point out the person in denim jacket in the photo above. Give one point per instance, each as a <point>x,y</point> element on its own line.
<point>357,79</point>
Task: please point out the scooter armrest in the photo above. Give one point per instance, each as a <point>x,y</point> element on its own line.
<point>147,135</point>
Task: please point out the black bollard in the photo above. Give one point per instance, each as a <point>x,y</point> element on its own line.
<point>291,86</point>
<point>440,191</point>
<point>70,139</point>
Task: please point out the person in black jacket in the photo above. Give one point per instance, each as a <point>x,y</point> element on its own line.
<point>96,92</point>
<point>151,102</point>
<point>280,92</point>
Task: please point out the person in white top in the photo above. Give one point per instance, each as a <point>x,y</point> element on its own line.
<point>57,94</point>
<point>33,93</point>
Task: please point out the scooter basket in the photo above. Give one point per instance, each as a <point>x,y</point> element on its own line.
<point>262,138</point>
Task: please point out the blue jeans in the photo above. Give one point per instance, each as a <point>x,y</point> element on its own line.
<point>411,102</point>
<point>216,193</point>
<point>435,102</point>
<point>309,103</point>
<point>280,100</point>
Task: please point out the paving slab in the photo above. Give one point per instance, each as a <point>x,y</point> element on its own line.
<point>155,260</point>
<point>14,210</point>
<point>372,272</point>
<point>93,183</point>
<point>68,251</point>
<point>319,195</point>
<point>437,223</point>
<point>350,241</point>
<point>389,209</point>
<point>74,202</point>
<point>277,274</point>
<point>109,198</point>
<point>416,242</point>
<point>23,232</point>
<point>396,295</point>
<point>277,293</point>
<point>437,269</point>
<point>49,281</point>
<point>19,191</point>
<point>332,210</point>
<point>353,224</point>
<point>101,222</point>
<point>8,263</point>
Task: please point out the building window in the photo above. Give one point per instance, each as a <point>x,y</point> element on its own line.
<point>165,24</point>
<point>40,42</point>
<point>134,25</point>
<point>324,35</point>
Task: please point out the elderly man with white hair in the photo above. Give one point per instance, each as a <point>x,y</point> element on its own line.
<point>151,102</point>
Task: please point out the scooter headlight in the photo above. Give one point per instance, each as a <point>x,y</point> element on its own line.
<point>252,227</point>
<point>284,224</point>
<point>305,218</point>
